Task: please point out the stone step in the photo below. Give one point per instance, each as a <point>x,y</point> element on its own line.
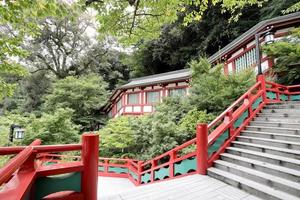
<point>275,124</point>
<point>276,119</point>
<point>289,153</point>
<point>288,111</point>
<point>276,170</point>
<point>266,157</point>
<point>283,106</point>
<point>276,136</point>
<point>271,142</point>
<point>269,129</point>
<point>270,180</point>
<point>285,103</point>
<point>250,186</point>
<point>279,115</point>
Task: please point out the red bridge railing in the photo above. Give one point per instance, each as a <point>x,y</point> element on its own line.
<point>196,155</point>
<point>28,172</point>
<point>25,177</point>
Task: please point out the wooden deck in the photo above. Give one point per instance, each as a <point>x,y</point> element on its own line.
<point>194,187</point>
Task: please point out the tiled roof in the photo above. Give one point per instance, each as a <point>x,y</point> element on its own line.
<point>158,78</point>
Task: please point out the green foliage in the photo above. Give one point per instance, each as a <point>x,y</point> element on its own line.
<point>132,21</point>
<point>273,8</point>
<point>147,136</point>
<point>53,128</point>
<point>28,95</point>
<point>192,118</point>
<point>212,90</point>
<point>7,120</point>
<point>117,137</point>
<point>85,95</point>
<point>16,20</point>
<point>287,54</point>
<point>178,44</point>
<point>293,8</point>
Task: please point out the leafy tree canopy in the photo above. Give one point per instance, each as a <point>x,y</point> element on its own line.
<point>133,20</point>
<point>287,54</point>
<point>212,90</point>
<point>53,127</point>
<point>85,95</point>
<point>16,21</point>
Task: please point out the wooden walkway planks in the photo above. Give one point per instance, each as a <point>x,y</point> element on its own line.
<point>194,187</point>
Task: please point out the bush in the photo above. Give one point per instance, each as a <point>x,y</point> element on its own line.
<point>287,54</point>
<point>53,128</point>
<point>117,137</point>
<point>212,90</point>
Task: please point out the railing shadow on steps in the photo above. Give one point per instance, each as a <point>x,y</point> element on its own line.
<point>196,155</point>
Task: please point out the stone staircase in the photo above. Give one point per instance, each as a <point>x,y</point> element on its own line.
<point>265,159</point>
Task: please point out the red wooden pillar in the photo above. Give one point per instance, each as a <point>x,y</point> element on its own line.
<point>172,163</point>
<point>202,148</point>
<point>229,118</point>
<point>262,79</point>
<point>140,169</point>
<point>153,165</point>
<point>90,156</point>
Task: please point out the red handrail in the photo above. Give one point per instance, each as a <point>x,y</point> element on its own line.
<point>223,114</point>
<point>22,170</point>
<point>41,149</point>
<point>15,163</point>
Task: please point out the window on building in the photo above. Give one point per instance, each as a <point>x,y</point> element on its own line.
<point>152,97</point>
<point>19,133</point>
<point>178,92</point>
<point>246,60</point>
<point>133,98</point>
<point>119,104</point>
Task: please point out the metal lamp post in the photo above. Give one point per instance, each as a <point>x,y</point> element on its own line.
<point>269,37</point>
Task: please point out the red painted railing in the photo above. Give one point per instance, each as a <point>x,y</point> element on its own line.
<point>19,175</point>
<point>194,156</point>
<point>211,140</point>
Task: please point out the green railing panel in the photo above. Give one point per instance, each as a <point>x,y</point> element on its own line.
<point>161,173</point>
<point>256,103</point>
<point>218,143</point>
<point>101,168</point>
<point>271,95</point>
<point>241,119</point>
<point>284,97</point>
<point>133,175</point>
<point>146,178</point>
<point>51,184</point>
<point>185,166</point>
<point>118,170</point>
<point>295,97</point>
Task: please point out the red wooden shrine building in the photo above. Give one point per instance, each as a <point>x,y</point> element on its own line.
<point>140,95</point>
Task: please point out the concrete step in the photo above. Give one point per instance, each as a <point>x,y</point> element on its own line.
<point>288,111</point>
<point>270,180</point>
<point>275,124</point>
<point>283,106</point>
<point>250,186</point>
<point>276,136</point>
<point>278,115</point>
<point>271,118</point>
<point>266,157</point>
<point>289,153</point>
<point>285,103</point>
<point>271,142</point>
<point>269,129</point>
<point>283,172</point>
